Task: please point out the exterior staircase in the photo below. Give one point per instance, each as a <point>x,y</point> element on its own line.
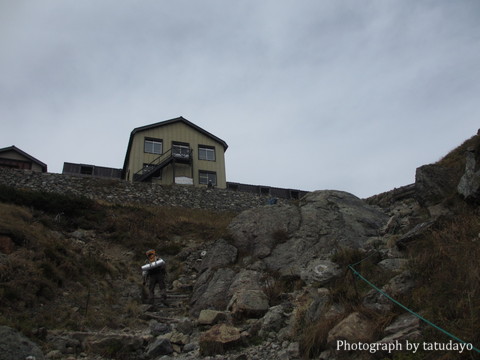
<point>167,158</point>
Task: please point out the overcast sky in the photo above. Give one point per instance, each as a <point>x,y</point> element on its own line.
<point>312,95</point>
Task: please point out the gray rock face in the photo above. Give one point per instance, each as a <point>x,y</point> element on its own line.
<point>219,254</point>
<point>329,220</point>
<point>433,183</point>
<point>15,346</point>
<point>289,240</point>
<point>469,185</point>
<point>211,289</point>
<point>256,231</point>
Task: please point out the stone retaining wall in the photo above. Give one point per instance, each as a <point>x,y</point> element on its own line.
<point>123,192</point>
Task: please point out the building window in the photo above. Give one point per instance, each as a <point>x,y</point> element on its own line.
<point>205,177</point>
<point>181,150</point>
<point>153,146</point>
<point>206,152</point>
<point>86,170</point>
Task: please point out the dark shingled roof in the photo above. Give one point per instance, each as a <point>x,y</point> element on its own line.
<point>23,153</point>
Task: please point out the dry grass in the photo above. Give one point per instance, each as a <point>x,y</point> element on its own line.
<point>447,266</point>
<point>140,228</point>
<point>456,158</point>
<point>277,287</point>
<point>48,279</point>
<point>314,336</point>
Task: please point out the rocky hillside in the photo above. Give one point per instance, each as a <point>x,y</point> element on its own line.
<point>270,282</point>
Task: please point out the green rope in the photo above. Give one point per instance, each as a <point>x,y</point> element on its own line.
<point>407,309</point>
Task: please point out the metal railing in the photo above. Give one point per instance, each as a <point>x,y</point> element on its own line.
<point>175,153</point>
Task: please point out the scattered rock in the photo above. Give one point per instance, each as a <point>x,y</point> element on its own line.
<point>354,328</point>
<point>318,304</point>
<point>178,338</point>
<point>396,265</point>
<point>211,317</point>
<point>414,234</point>
<point>248,304</point>
<point>161,346</point>
<point>157,328</point>
<point>113,344</point>
<point>185,326</point>
<point>16,346</point>
<point>219,339</point>
<point>273,320</point>
<point>405,327</point>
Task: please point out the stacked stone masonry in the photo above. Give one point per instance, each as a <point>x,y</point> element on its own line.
<point>124,192</point>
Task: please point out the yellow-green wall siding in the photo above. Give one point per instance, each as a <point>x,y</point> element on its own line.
<point>182,133</point>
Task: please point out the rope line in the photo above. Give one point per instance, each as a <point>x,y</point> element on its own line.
<point>351,267</point>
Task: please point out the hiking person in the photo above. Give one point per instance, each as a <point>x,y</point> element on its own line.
<point>154,272</point>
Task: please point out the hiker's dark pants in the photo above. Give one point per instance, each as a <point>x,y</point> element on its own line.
<point>153,280</point>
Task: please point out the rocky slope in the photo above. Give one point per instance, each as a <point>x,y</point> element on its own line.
<point>277,285</point>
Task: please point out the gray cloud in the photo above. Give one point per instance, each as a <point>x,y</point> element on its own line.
<point>313,94</point>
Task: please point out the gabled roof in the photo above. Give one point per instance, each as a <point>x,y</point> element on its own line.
<point>23,153</point>
<point>168,122</point>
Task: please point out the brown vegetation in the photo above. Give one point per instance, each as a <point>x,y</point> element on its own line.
<point>55,280</point>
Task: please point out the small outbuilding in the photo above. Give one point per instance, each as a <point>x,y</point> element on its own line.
<point>14,158</point>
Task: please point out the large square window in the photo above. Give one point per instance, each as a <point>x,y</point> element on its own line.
<point>181,150</point>
<point>153,146</point>
<point>207,177</point>
<point>206,153</point>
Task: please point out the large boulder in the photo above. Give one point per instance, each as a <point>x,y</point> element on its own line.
<point>329,220</point>
<point>354,328</point>
<point>469,185</point>
<point>248,304</point>
<point>211,289</point>
<point>287,241</point>
<point>246,280</point>
<point>15,346</point>
<point>433,184</point>
<point>257,231</point>
<point>220,254</point>
<point>219,339</point>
